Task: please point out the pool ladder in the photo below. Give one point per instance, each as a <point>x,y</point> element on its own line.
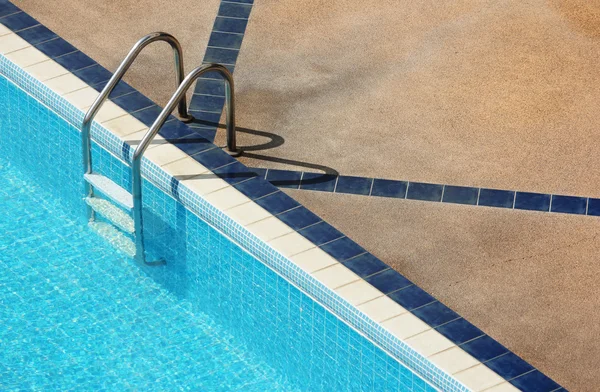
<point>123,203</point>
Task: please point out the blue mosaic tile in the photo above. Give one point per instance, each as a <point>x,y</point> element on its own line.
<point>388,281</point>
<point>411,297</point>
<point>19,21</point>
<point>318,182</point>
<point>228,25</point>
<point>133,102</point>
<point>93,75</point>
<point>593,207</point>
<point>277,203</point>
<point>569,204</point>
<point>210,87</point>
<point>365,265</point>
<point>509,366</point>
<point>235,10</point>
<point>8,8</point>
<point>343,249</point>
<point>424,191</point>
<point>484,348</point>
<point>496,198</point>
<point>460,195</point>
<point>234,173</point>
<point>389,188</point>
<point>221,55</point>
<point>535,382</point>
<point>226,40</point>
<point>353,185</point>
<point>320,233</point>
<point>37,34</point>
<point>284,178</point>
<point>207,103</point>
<point>56,47</point>
<point>299,218</point>
<point>435,314</point>
<point>75,61</point>
<point>215,158</point>
<point>459,331</point>
<point>532,201</point>
<point>255,188</point>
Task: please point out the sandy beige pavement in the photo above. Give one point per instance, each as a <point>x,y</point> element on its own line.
<point>106,30</point>
<point>502,94</point>
<point>487,93</point>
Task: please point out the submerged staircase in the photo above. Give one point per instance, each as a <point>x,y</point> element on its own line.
<point>121,209</point>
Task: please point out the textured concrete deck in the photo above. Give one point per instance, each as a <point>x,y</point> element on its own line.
<point>478,93</point>
<point>483,93</point>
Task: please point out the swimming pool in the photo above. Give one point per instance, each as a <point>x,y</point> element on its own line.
<point>80,314</point>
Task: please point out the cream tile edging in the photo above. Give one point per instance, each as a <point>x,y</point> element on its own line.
<point>279,236</point>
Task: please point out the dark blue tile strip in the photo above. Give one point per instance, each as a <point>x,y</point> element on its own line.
<point>37,34</point>
<point>496,198</point>
<point>460,195</point>
<point>7,8</point>
<point>252,184</point>
<point>19,21</point>
<point>320,233</point>
<point>75,61</point>
<point>223,47</point>
<point>299,218</point>
<point>388,281</point>
<point>532,201</point>
<point>55,48</point>
<point>425,192</point>
<point>435,314</point>
<point>459,331</point>
<point>389,188</point>
<point>366,186</point>
<point>569,204</point>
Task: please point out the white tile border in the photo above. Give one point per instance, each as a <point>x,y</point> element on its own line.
<point>404,326</point>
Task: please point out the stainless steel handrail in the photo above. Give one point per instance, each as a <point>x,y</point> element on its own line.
<point>112,83</point>
<point>158,123</point>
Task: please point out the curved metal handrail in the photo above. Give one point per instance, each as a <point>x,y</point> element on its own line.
<point>158,123</point>
<point>112,83</point>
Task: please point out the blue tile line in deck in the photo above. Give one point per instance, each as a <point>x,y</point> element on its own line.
<point>223,47</point>
<point>453,194</point>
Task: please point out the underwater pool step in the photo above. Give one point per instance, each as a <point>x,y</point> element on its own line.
<point>115,237</point>
<point>114,214</point>
<point>110,188</point>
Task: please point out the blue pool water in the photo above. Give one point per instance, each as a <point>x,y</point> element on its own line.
<point>76,314</point>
